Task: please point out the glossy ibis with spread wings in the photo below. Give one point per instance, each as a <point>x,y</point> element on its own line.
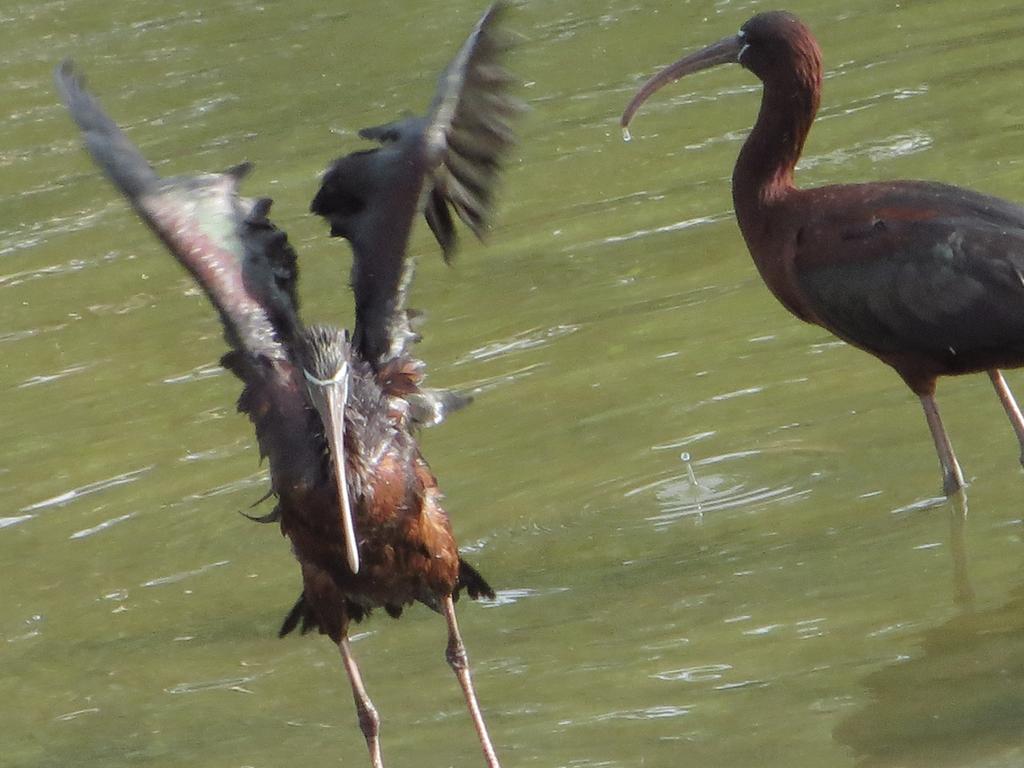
<point>337,416</point>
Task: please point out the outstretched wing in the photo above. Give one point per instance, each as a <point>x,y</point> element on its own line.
<point>468,131</point>
<point>243,263</point>
<point>240,259</point>
<point>448,160</point>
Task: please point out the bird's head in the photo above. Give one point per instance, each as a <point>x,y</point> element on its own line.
<point>351,182</point>
<point>775,45</point>
<point>347,186</point>
<point>326,359</point>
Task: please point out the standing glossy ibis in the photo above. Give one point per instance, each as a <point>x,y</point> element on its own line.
<point>337,417</point>
<point>927,277</point>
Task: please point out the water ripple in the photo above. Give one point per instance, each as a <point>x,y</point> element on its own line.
<point>698,674</point>
<point>920,505</point>
<point>765,629</point>
<point>218,453</point>
<point>511,596</point>
<point>742,684</point>
<point>728,499</point>
<point>86,532</point>
<point>886,148</point>
<point>126,307</point>
<point>224,684</point>
<point>479,386</point>
<point>259,478</point>
<point>647,713</point>
<point>684,441</point>
<point>84,490</point>
<point>47,378</point>
<point>683,495</point>
<point>532,339</point>
<point>40,232</point>
<point>182,575</point>
<point>33,624</point>
<point>76,714</point>
<point>200,372</point>
<point>28,333</point>
<point>674,227</point>
<point>7,522</point>
<point>737,393</point>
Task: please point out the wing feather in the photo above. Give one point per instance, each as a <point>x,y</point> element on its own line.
<point>937,272</point>
<point>448,160</point>
<point>240,259</point>
<point>245,266</point>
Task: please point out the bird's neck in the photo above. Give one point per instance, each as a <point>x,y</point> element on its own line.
<point>764,171</point>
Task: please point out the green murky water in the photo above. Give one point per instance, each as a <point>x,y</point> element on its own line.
<point>797,605</point>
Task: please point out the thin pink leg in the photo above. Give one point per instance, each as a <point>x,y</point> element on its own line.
<point>369,722</point>
<point>456,655</point>
<point>952,477</point>
<point>1010,406</point>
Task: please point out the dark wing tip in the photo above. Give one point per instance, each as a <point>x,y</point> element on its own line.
<point>260,212</point>
<point>385,134</point>
<point>475,584</point>
<point>64,74</point>
<point>240,171</point>
<point>439,219</point>
<point>109,147</point>
<point>243,263</point>
<point>442,165</point>
<point>469,128</point>
<point>274,516</point>
<point>299,612</point>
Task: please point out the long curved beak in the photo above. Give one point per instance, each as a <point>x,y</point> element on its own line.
<point>329,399</point>
<point>725,51</point>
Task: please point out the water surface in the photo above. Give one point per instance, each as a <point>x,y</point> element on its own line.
<point>786,596</point>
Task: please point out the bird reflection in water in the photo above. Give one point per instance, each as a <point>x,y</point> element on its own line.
<point>957,700</point>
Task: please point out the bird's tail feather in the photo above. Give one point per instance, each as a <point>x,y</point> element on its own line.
<point>474,584</point>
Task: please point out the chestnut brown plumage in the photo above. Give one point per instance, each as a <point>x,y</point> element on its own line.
<point>337,417</point>
<point>927,277</point>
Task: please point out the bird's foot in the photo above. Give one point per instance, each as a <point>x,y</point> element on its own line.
<point>456,656</point>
